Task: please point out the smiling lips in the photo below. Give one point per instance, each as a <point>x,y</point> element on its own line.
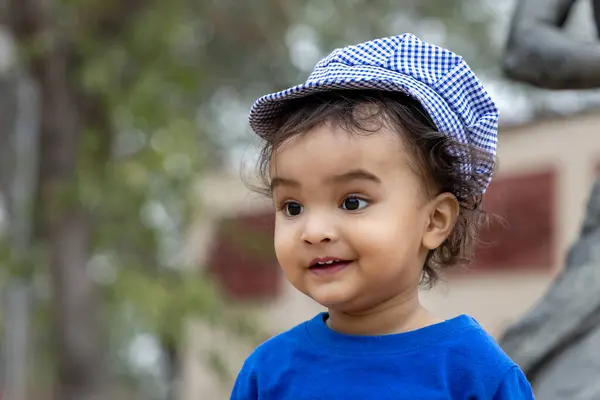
<point>328,265</point>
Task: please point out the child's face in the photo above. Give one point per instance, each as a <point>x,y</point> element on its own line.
<point>352,198</point>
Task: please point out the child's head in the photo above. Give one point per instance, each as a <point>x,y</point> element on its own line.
<point>367,179</point>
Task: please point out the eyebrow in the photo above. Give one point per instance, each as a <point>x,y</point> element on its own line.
<point>277,181</point>
<point>353,175</point>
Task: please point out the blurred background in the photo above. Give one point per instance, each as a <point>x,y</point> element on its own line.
<point>135,264</point>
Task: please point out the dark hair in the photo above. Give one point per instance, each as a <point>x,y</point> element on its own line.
<point>437,157</point>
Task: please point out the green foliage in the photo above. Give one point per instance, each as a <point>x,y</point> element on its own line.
<point>164,301</point>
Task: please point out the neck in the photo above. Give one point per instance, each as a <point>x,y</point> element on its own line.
<point>397,315</point>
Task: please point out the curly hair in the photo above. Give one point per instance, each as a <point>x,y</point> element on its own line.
<point>438,158</point>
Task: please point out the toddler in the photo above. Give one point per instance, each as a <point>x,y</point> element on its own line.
<point>376,166</point>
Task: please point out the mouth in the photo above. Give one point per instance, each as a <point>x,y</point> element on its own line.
<point>328,265</point>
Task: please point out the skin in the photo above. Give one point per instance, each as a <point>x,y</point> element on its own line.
<point>356,198</point>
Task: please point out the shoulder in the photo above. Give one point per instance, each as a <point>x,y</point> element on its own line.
<point>267,361</point>
<point>482,366</point>
<point>475,343</point>
<point>279,347</point>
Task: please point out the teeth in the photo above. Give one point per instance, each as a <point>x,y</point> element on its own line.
<point>325,263</point>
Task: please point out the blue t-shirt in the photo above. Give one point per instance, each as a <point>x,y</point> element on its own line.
<point>455,359</point>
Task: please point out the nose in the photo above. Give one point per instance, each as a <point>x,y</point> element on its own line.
<point>319,229</point>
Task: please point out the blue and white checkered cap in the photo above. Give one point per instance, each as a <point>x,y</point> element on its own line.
<point>439,79</point>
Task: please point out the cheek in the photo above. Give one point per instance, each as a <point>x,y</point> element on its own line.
<point>389,256</point>
<point>390,233</point>
<point>284,243</point>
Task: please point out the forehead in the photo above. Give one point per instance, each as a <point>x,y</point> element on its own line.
<point>329,150</point>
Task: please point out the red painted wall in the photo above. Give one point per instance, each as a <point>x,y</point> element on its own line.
<point>526,236</point>
<point>242,258</point>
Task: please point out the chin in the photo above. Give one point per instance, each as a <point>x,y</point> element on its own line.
<point>335,301</point>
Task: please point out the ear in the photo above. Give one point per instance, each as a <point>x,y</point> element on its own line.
<point>443,213</point>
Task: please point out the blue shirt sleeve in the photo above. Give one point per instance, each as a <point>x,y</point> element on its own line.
<point>245,387</point>
<point>514,386</point>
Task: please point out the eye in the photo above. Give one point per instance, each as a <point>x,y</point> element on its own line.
<point>354,203</point>
<point>292,209</point>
